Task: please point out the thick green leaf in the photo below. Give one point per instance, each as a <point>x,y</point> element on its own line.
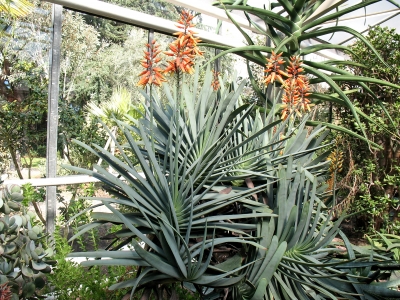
<point>157,263</point>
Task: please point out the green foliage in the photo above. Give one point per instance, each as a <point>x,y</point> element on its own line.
<point>32,194</point>
<point>4,160</point>
<point>157,8</point>
<point>229,207</point>
<point>287,25</point>
<point>115,32</point>
<point>23,92</point>
<point>376,173</point>
<point>386,242</point>
<point>75,212</point>
<point>19,125</point>
<point>75,124</point>
<point>23,254</point>
<point>70,280</point>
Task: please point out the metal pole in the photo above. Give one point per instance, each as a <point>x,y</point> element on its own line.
<point>217,63</point>
<point>52,118</point>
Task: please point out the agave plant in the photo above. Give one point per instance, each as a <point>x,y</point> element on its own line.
<point>288,24</point>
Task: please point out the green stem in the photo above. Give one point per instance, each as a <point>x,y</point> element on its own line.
<point>151,124</point>
<point>177,115</point>
<point>266,102</point>
<point>151,117</point>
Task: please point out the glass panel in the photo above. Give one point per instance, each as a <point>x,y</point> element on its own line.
<point>25,44</point>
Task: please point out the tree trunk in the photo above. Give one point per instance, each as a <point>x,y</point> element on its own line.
<point>15,161</point>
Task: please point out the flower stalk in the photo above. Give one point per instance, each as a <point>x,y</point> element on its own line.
<point>183,52</point>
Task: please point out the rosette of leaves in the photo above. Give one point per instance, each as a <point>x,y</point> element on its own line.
<point>181,215</point>
<point>223,139</point>
<point>185,214</point>
<point>22,255</point>
<point>188,178</point>
<point>290,23</point>
<point>298,259</point>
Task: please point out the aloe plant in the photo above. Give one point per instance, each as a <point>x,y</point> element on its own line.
<point>289,23</point>
<point>299,259</point>
<point>180,213</point>
<point>227,182</point>
<point>186,192</point>
<point>223,139</point>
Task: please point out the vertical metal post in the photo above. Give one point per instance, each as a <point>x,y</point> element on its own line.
<point>52,118</point>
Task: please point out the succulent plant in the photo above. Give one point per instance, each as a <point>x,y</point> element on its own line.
<point>22,254</point>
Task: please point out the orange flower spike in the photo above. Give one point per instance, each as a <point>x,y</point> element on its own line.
<point>297,89</point>
<point>290,99</point>
<point>151,74</point>
<point>184,49</point>
<point>304,92</point>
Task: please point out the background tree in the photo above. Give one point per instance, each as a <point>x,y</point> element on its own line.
<point>24,81</point>
<point>97,56</point>
<point>372,177</point>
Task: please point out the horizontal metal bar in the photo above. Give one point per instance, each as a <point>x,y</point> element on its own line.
<point>205,7</point>
<point>128,16</point>
<point>62,180</point>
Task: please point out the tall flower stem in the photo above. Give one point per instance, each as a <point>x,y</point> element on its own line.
<point>183,52</point>
<point>151,118</point>
<point>151,75</point>
<point>151,51</point>
<point>177,131</point>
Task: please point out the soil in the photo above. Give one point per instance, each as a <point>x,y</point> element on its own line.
<point>353,233</point>
<point>101,231</point>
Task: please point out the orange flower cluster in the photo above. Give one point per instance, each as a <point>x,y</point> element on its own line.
<point>152,73</point>
<point>215,83</point>
<point>296,90</point>
<point>184,49</point>
<point>273,69</point>
<point>296,86</point>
